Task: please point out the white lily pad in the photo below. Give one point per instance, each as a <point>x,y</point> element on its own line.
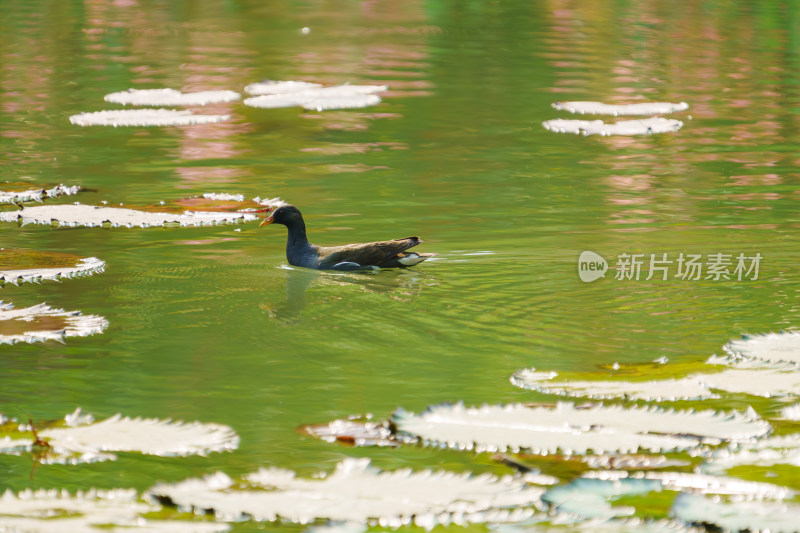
<point>574,430</point>
<point>783,347</point>
<point>95,216</point>
<point>357,492</point>
<point>144,117</point>
<point>631,462</point>
<point>149,436</point>
<point>598,108</point>
<point>18,266</point>
<point>702,483</point>
<point>647,126</point>
<point>94,511</point>
<point>791,412</point>
<point>321,99</point>
<point>279,87</point>
<point>41,322</point>
<point>764,382</point>
<point>600,525</point>
<point>775,517</point>
<point>354,432</point>
<point>18,193</point>
<point>658,390</point>
<point>170,97</point>
<point>784,450</point>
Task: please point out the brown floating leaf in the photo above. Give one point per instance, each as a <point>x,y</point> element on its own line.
<point>41,322</point>
<point>353,432</point>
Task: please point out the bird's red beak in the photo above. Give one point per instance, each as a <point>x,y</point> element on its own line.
<point>268,220</point>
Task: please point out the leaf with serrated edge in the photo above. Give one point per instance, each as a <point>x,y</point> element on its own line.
<point>642,108</point>
<point>571,430</point>
<point>169,97</point>
<point>42,323</point>
<point>357,492</point>
<point>772,347</point>
<point>775,517</point>
<point>689,388</point>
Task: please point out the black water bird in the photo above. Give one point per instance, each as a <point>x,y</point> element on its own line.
<point>380,254</point>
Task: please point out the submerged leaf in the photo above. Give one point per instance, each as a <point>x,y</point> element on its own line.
<point>624,127</point>
<point>41,323</point>
<point>598,108</point>
<point>93,216</point>
<point>12,193</point>
<point>775,517</point>
<point>357,492</point>
<point>144,117</point>
<point>574,430</point>
<point>94,511</point>
<point>169,97</point>
<point>669,389</point>
<point>590,498</point>
<point>18,266</point>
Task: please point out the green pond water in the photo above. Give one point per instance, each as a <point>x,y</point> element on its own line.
<point>211,323</point>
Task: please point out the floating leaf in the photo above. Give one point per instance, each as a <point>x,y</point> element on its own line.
<point>783,347</point>
<point>94,511</point>
<point>759,382</point>
<point>624,127</point>
<point>574,430</point>
<point>321,99</point>
<point>631,462</point>
<point>170,97</point>
<point>149,436</point>
<point>144,117</point>
<point>601,525</point>
<point>18,266</point>
<point>41,323</point>
<point>93,216</point>
<point>791,412</point>
<point>598,108</point>
<point>702,483</point>
<point>353,432</point>
<point>775,517</point>
<point>279,87</point>
<point>764,452</point>
<point>14,193</point>
<point>669,389</point>
<point>357,492</point>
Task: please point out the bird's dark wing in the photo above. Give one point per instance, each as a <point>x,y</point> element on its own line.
<point>366,254</point>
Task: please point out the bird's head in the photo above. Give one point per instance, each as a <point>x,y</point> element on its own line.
<point>283,215</point>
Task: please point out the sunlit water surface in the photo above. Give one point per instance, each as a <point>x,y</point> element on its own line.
<point>211,323</point>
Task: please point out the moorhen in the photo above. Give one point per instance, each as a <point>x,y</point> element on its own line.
<point>381,254</point>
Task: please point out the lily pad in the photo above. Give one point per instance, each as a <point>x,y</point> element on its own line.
<point>79,439</point>
<point>357,492</point>
<point>94,511</point>
<point>783,347</point>
<point>15,193</point>
<point>600,525</point>
<point>41,322</point>
<point>279,87</point>
<point>588,498</point>
<point>170,97</point>
<point>574,430</point>
<point>775,517</point>
<point>95,216</point>
<point>321,99</point>
<point>783,450</point>
<point>647,126</point>
<point>144,117</point>
<point>689,388</point>
<point>758,382</point>
<point>702,483</point>
<point>598,108</point>
<point>17,266</point>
